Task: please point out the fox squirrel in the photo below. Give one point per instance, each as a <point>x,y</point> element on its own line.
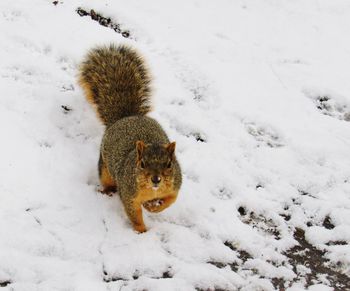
<point>135,155</point>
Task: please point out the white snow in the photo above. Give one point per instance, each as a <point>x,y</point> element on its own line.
<point>255,93</point>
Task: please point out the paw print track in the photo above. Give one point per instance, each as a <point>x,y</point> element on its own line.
<point>332,108</point>
<point>191,133</point>
<point>264,135</point>
<point>331,105</point>
<point>223,193</point>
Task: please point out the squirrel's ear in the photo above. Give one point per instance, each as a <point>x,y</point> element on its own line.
<point>171,148</point>
<point>140,146</point>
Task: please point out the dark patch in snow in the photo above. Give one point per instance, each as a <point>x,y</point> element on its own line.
<point>305,193</point>
<point>112,279</point>
<point>337,243</point>
<point>126,34</point>
<point>5,283</point>
<point>242,210</point>
<point>198,136</point>
<point>286,217</point>
<point>211,289</point>
<point>66,109</point>
<point>136,275</point>
<point>327,223</point>
<point>306,261</point>
<point>104,21</point>
<point>242,254</point>
<point>167,274</point>
<point>57,2</point>
<point>278,283</point>
<point>306,255</point>
<point>309,224</point>
<point>217,264</point>
<point>107,278</point>
<point>262,224</point>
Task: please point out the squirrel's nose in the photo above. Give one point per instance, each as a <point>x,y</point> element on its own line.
<point>155,179</point>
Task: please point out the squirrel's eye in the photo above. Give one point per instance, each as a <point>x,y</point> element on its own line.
<point>168,165</point>
<point>142,164</point>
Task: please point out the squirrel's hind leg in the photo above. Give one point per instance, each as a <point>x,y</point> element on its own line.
<point>107,182</point>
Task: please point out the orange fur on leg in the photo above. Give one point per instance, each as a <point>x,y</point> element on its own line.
<point>107,181</point>
<point>134,211</point>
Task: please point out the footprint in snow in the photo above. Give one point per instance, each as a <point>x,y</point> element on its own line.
<point>264,135</point>
<point>330,104</point>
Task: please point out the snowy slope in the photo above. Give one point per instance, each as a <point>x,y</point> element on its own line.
<point>257,97</point>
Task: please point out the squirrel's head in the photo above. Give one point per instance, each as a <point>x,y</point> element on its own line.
<point>155,163</point>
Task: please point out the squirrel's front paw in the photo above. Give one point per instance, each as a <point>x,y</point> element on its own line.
<point>140,228</point>
<point>153,205</point>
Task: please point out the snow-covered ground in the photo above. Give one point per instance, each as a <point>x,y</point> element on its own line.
<point>257,96</point>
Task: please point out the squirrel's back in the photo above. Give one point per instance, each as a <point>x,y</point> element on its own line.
<point>119,139</point>
<point>116,81</point>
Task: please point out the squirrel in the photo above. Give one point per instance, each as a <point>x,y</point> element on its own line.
<point>136,155</point>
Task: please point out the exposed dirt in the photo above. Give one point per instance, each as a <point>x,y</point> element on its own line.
<point>308,263</point>
<point>104,21</point>
<point>308,256</point>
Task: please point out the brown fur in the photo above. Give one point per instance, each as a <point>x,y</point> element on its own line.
<point>88,94</point>
<point>135,152</point>
<point>115,80</point>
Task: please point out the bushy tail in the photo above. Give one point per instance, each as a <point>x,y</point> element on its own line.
<point>116,81</point>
